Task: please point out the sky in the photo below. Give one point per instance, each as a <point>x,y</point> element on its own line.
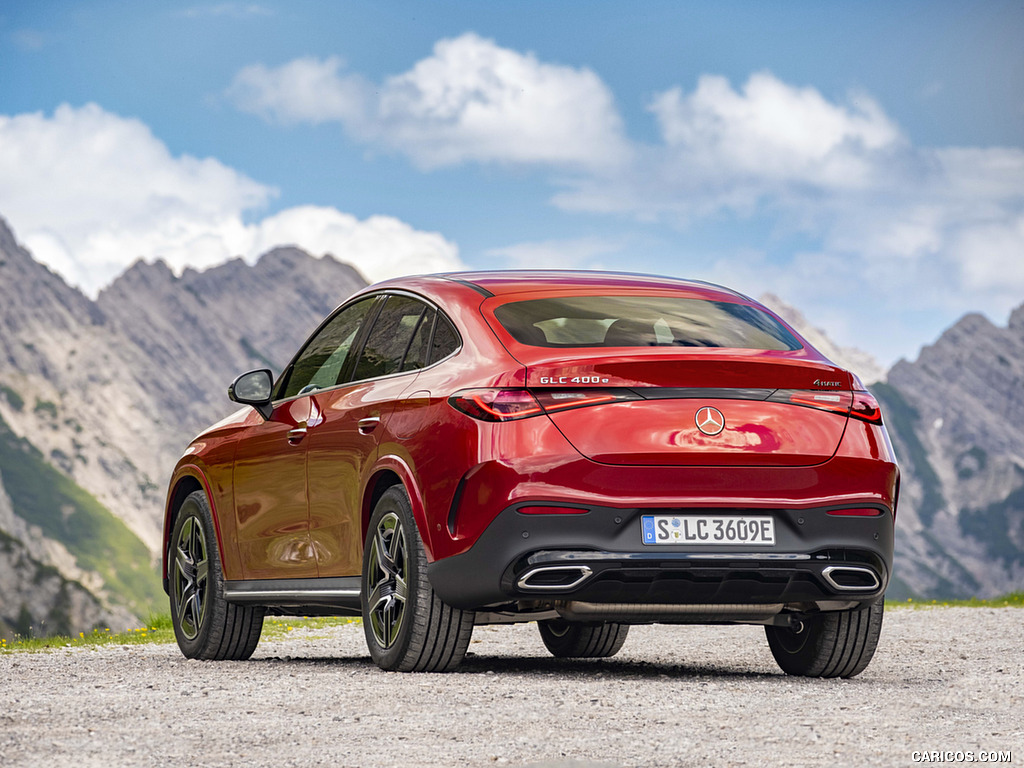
<point>863,161</point>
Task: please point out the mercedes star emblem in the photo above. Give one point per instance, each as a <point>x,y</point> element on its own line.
<point>710,420</point>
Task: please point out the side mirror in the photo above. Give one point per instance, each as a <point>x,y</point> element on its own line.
<point>254,388</point>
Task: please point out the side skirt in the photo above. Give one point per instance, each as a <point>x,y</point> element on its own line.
<point>338,596</point>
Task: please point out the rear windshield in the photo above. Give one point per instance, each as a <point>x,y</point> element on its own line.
<point>642,321</point>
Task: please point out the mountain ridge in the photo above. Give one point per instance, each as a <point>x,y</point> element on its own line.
<point>108,392</point>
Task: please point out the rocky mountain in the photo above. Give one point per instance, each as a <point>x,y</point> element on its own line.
<point>105,395</point>
<point>956,417</point>
<point>98,398</point>
<point>860,362</point>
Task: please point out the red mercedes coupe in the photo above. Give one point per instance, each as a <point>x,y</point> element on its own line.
<point>584,450</point>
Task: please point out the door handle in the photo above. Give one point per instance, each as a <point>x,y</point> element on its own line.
<point>367,425</point>
<point>296,435</point>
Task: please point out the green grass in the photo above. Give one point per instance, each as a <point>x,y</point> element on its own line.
<point>69,514</point>
<point>278,627</point>
<point>159,630</point>
<point>1012,600</point>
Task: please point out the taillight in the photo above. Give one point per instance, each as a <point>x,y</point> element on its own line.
<point>856,512</point>
<point>836,402</point>
<point>496,404</point>
<point>860,405</point>
<point>564,399</point>
<point>865,408</point>
<point>511,404</point>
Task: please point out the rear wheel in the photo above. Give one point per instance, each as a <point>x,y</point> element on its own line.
<point>828,644</point>
<point>205,624</point>
<point>408,628</point>
<point>566,639</point>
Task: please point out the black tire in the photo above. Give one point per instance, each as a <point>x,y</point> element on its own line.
<point>408,628</point>
<point>828,644</point>
<point>205,624</point>
<point>575,640</point>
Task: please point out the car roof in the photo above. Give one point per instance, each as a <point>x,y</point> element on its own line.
<point>499,283</point>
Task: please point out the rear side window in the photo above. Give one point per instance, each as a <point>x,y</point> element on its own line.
<point>390,337</point>
<point>642,321</point>
<point>446,339</point>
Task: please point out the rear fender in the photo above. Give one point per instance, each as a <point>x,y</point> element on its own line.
<point>398,466</point>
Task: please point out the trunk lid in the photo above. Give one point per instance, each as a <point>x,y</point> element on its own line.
<point>706,407</point>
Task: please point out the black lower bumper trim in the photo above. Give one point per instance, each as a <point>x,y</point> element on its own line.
<point>531,557</point>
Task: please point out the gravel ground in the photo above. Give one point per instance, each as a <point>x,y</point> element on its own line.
<point>943,679</point>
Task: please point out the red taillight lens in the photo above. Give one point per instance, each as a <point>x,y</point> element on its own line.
<point>860,404</point>
<point>564,399</point>
<point>496,404</point>
<point>548,510</point>
<point>856,512</point>
<point>510,404</point>
<point>836,402</point>
<point>865,408</point>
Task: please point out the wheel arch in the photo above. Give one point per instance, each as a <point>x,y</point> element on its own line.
<point>186,480</point>
<point>391,471</point>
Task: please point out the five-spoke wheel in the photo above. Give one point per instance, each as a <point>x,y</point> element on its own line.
<point>386,579</point>
<point>190,579</point>
<point>205,624</point>
<point>408,628</point>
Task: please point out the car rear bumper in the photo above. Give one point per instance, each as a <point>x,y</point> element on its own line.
<point>598,557</point>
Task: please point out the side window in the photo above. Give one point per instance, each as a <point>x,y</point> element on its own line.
<point>446,339</point>
<point>320,363</point>
<point>389,338</point>
<point>419,349</point>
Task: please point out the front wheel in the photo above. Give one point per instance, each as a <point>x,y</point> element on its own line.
<point>206,626</point>
<point>569,640</point>
<point>828,644</point>
<point>408,628</point>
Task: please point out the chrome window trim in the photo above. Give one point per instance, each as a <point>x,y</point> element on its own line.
<point>376,294</point>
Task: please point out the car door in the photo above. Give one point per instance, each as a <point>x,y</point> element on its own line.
<point>343,448</point>
<point>270,483</point>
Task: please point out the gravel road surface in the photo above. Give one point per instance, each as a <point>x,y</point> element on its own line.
<point>944,679</point>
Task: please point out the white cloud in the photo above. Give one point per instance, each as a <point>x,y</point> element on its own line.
<point>89,192</point>
<point>772,133</point>
<point>570,253</point>
<point>380,246</point>
<point>304,90</point>
<point>885,224</point>
<point>471,100</point>
<point>920,229</point>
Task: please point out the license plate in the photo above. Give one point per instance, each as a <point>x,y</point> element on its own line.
<point>707,529</point>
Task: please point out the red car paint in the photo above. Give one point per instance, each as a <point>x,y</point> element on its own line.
<point>292,495</point>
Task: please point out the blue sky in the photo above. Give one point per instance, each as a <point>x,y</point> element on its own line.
<point>864,161</point>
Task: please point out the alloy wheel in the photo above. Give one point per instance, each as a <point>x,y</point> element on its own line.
<point>387,572</point>
<point>191,577</point>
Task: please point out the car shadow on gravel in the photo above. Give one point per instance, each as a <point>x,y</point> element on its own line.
<point>475,664</point>
<point>619,668</point>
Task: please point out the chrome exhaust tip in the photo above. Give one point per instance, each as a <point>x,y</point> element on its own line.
<point>851,578</point>
<point>554,577</point>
